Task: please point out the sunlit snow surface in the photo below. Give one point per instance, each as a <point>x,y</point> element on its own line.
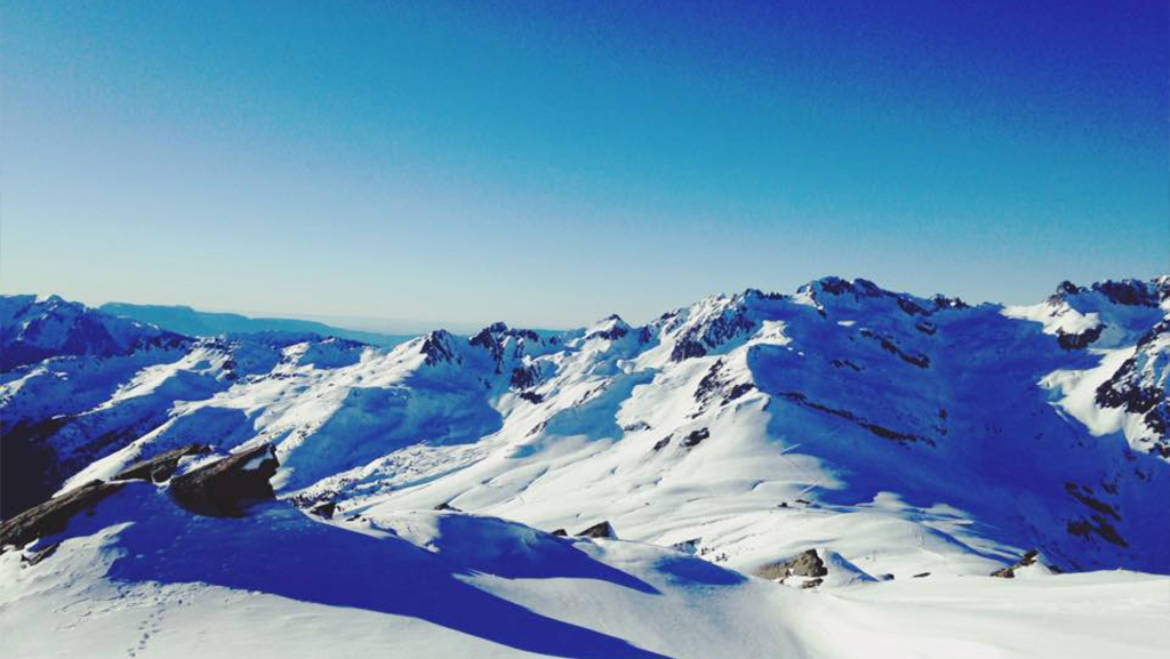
<point>896,435</point>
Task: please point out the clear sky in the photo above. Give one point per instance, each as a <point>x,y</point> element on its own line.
<point>548,163</point>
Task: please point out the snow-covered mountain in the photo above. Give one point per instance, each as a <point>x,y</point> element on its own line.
<point>890,434</point>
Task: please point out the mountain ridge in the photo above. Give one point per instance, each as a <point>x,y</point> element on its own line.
<point>836,374</point>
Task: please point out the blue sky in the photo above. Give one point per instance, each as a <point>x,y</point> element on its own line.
<point>548,163</point>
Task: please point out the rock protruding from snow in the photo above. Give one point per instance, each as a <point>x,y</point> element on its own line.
<point>1031,560</point>
<point>598,530</point>
<point>161,467</point>
<point>805,564</point>
<point>1138,388</point>
<point>225,487</point>
<point>52,516</point>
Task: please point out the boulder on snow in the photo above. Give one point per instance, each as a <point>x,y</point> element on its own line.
<point>51,517</point>
<point>598,530</point>
<point>324,510</point>
<point>223,488</point>
<point>560,533</point>
<point>160,467</point>
<point>805,564</point>
<point>1030,557</point>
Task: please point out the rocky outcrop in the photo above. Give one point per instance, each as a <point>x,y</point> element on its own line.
<point>1138,388</point>
<point>807,564</point>
<point>324,510</point>
<point>599,530</point>
<point>695,437</point>
<point>225,487</point>
<point>160,467</point>
<point>52,516</point>
<point>1078,341</point>
<point>1030,557</point>
<point>437,348</point>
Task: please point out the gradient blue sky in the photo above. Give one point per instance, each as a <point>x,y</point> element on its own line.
<point>548,163</point>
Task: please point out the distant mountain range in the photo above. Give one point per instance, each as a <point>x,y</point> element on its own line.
<point>185,320</point>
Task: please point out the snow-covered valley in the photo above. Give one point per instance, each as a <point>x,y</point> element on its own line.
<point>834,472</point>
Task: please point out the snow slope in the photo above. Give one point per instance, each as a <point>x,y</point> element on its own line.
<point>142,578</point>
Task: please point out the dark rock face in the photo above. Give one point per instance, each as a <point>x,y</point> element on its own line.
<point>1136,391</point>
<point>324,510</point>
<point>1079,341</point>
<point>436,347</point>
<point>686,348</point>
<point>881,431</point>
<point>1129,292</point>
<point>30,470</point>
<point>715,386</point>
<point>695,437</point>
<point>160,467</point>
<point>225,487</point>
<point>598,530</point>
<point>804,564</point>
<point>52,516</point>
<point>560,533</point>
<point>889,345</point>
<point>523,378</point>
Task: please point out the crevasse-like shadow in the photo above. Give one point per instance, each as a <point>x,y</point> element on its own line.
<point>277,550</point>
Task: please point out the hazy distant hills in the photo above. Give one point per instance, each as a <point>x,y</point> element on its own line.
<point>188,321</point>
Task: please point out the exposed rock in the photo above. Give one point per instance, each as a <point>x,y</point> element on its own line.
<point>446,506</point>
<point>160,467</point>
<point>881,431</point>
<point>53,515</point>
<point>662,443</point>
<point>525,377</point>
<point>695,437</point>
<point>560,533</point>
<point>325,510</point>
<point>686,348</point>
<point>226,486</point>
<point>1128,292</point>
<point>889,345</point>
<point>805,564</point>
<point>926,327</point>
<point>1029,558</point>
<point>31,558</point>
<point>598,530</point>
<point>921,575</point>
<point>437,348</point>
<point>1078,341</point>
